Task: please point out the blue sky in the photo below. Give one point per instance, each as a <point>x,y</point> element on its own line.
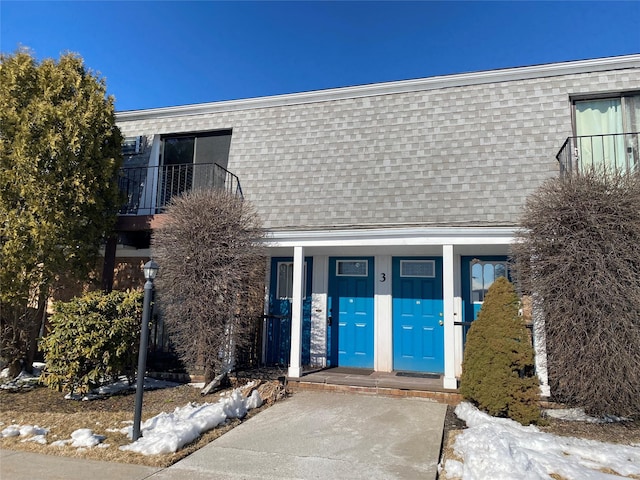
<point>165,53</point>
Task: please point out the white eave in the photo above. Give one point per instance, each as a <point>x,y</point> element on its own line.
<point>393,236</point>
<point>403,86</point>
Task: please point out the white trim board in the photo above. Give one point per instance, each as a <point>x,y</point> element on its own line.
<point>392,236</point>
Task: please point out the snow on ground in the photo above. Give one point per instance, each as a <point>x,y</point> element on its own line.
<point>120,386</point>
<point>168,432</point>
<point>579,415</point>
<point>164,433</point>
<point>81,438</point>
<point>24,379</point>
<point>502,449</point>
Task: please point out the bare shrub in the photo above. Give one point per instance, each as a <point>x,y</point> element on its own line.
<point>211,277</point>
<point>578,252</point>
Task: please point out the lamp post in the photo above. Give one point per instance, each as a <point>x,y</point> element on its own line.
<point>150,270</point>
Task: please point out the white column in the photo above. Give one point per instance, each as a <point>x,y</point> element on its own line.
<point>457,313</point>
<point>295,367</point>
<point>448,284</point>
<point>320,277</point>
<point>267,277</point>
<point>540,347</point>
<point>383,327</point>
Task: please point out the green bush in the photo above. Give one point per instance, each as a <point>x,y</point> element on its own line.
<point>498,366</point>
<point>93,339</point>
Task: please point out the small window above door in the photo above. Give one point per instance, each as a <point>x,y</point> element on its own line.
<point>418,268</point>
<point>352,268</point>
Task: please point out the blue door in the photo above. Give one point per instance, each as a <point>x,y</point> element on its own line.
<point>418,331</point>
<point>350,336</point>
<point>278,350</point>
<point>478,274</point>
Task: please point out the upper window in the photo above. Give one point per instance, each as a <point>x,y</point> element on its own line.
<point>198,148</point>
<point>189,161</point>
<point>607,131</point>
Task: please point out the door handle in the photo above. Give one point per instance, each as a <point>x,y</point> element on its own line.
<point>441,323</point>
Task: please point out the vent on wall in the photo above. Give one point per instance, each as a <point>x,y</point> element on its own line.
<point>132,145</point>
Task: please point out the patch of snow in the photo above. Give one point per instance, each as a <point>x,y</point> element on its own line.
<point>4,373</point>
<point>81,439</point>
<point>23,380</point>
<point>579,415</point>
<point>84,437</point>
<point>10,431</point>
<point>23,431</point>
<point>168,432</point>
<point>254,400</point>
<point>41,439</point>
<point>500,448</point>
<point>121,385</point>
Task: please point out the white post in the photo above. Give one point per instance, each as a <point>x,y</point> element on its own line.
<point>267,277</point>
<point>383,336</point>
<point>295,367</point>
<point>448,284</point>
<point>319,310</point>
<point>540,347</point>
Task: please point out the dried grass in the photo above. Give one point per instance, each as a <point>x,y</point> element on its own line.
<point>48,409</point>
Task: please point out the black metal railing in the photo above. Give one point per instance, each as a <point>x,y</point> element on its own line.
<point>148,190</point>
<point>616,153</point>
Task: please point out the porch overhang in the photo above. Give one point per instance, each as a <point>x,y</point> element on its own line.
<point>392,236</point>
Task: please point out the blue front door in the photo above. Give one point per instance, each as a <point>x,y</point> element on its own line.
<point>278,331</point>
<point>351,312</point>
<point>418,332</point>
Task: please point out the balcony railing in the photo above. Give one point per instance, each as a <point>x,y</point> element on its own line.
<point>616,153</point>
<point>148,190</point>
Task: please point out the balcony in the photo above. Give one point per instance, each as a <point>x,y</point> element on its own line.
<point>148,190</point>
<point>615,153</point>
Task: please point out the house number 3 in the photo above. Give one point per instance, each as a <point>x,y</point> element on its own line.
<point>383,277</point>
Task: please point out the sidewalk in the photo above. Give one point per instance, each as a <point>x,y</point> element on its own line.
<point>310,435</point>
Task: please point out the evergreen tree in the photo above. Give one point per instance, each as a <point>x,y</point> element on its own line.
<point>59,155</point>
<point>498,366</point>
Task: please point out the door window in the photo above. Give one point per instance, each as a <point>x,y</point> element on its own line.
<point>418,268</point>
<point>352,268</point>
<point>483,274</point>
<point>284,287</point>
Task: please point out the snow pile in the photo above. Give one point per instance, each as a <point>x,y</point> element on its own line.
<point>23,431</point>
<point>81,438</point>
<point>500,448</point>
<point>168,432</point>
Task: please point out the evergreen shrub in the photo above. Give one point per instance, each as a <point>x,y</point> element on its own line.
<point>498,367</point>
<point>93,340</point>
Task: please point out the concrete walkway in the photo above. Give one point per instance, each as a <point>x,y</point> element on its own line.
<point>310,435</point>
